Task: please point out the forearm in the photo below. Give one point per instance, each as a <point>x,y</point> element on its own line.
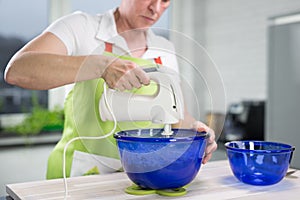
<point>42,71</point>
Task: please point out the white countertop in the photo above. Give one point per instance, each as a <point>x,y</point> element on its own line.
<point>214,181</point>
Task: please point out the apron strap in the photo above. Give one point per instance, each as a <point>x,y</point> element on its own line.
<point>109,48</point>
<point>158,60</point>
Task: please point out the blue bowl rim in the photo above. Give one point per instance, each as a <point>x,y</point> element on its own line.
<point>286,147</point>
<point>198,136</point>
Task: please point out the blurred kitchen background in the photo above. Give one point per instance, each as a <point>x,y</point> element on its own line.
<point>239,60</point>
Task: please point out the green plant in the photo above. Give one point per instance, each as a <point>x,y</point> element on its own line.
<point>40,119</point>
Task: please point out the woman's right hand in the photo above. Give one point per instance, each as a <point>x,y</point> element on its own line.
<point>124,75</point>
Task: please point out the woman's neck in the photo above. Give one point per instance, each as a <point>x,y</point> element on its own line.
<point>135,38</point>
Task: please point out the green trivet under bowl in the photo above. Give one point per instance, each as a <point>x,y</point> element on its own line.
<point>137,190</point>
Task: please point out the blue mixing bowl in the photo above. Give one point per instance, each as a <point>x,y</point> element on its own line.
<point>154,161</point>
<point>259,162</point>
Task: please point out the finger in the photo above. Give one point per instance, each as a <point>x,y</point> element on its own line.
<point>130,81</point>
<point>208,152</point>
<point>211,147</point>
<point>120,86</point>
<point>134,80</point>
<point>206,158</point>
<point>201,129</point>
<point>199,126</point>
<point>127,85</point>
<point>142,76</point>
<point>212,135</point>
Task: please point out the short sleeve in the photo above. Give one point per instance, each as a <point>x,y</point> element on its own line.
<point>69,29</point>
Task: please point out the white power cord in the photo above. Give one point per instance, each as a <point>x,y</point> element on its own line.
<point>87,138</point>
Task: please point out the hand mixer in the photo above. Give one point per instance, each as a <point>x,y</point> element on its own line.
<point>164,107</point>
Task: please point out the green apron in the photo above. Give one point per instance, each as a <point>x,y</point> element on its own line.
<point>82,119</point>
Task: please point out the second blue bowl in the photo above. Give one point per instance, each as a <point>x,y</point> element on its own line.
<point>259,162</point>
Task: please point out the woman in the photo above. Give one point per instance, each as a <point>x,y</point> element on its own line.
<point>77,49</point>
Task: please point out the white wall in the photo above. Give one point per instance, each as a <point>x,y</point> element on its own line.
<point>235,36</point>
<point>207,92</point>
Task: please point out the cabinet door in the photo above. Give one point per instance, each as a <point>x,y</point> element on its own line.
<point>283,104</point>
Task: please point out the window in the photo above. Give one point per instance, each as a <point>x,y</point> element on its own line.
<point>20,21</point>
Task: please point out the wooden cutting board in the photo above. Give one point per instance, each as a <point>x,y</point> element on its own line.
<point>214,181</point>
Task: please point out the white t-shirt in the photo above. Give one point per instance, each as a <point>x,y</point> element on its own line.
<point>85,34</point>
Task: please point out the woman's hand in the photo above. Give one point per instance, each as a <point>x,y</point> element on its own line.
<point>124,75</point>
<point>211,143</point>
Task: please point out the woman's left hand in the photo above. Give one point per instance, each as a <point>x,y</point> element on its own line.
<point>211,143</point>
